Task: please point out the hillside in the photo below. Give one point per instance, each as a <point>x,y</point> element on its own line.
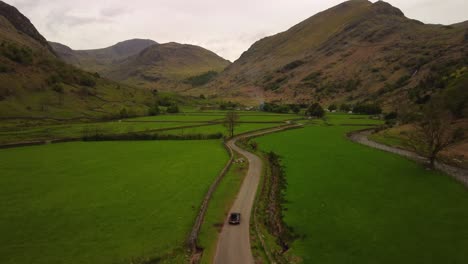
<point>354,52</point>
<point>35,84</point>
<point>97,60</point>
<point>167,66</point>
<point>146,64</point>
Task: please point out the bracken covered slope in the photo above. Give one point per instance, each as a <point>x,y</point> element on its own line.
<point>35,84</point>
<point>146,64</point>
<point>354,52</point>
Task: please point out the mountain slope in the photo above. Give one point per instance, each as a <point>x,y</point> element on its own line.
<point>98,60</point>
<point>354,52</point>
<point>167,66</point>
<point>145,63</point>
<point>34,83</point>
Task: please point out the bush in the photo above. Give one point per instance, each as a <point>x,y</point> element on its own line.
<point>315,110</point>
<point>291,66</point>
<point>368,109</point>
<point>345,107</point>
<point>22,55</point>
<point>87,80</point>
<point>58,88</point>
<point>154,110</point>
<point>201,79</point>
<point>123,113</point>
<point>275,108</point>
<point>295,108</point>
<point>173,109</point>
<point>333,107</point>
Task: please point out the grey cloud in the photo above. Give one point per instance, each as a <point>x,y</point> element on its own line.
<point>224,26</point>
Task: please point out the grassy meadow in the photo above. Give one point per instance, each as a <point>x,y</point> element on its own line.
<point>352,204</point>
<point>175,124</point>
<point>106,202</point>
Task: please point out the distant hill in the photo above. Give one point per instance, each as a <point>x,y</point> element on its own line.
<point>145,63</point>
<point>358,51</point>
<point>98,60</point>
<point>167,66</point>
<point>35,84</point>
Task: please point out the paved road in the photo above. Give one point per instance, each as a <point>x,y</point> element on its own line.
<point>234,241</point>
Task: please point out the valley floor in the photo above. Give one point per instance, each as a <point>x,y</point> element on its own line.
<point>349,203</point>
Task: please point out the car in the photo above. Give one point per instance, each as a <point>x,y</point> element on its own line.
<point>234,218</point>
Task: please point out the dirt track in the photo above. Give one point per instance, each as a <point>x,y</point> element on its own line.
<point>234,241</point>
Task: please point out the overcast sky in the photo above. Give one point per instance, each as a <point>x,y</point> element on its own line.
<point>227,27</point>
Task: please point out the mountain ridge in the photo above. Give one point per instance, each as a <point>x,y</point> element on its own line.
<point>357,51</point>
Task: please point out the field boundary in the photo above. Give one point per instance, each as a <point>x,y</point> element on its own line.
<point>196,252</point>
<point>193,238</point>
<point>361,137</point>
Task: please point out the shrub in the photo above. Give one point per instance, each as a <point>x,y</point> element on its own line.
<point>201,79</point>
<point>333,107</point>
<point>123,113</point>
<point>369,109</point>
<point>345,107</point>
<point>58,88</point>
<point>291,66</point>
<point>154,110</point>
<point>315,110</point>
<point>173,109</point>
<point>22,55</point>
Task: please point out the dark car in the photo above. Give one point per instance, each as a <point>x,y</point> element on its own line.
<point>234,219</point>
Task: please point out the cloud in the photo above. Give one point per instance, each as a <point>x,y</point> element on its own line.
<point>224,26</point>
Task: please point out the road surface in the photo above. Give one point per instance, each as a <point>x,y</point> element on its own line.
<point>234,241</point>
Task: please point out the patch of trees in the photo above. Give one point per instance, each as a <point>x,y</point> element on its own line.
<point>173,109</point>
<point>291,66</point>
<point>368,109</point>
<point>228,105</point>
<point>346,107</point>
<point>315,110</point>
<point>275,108</point>
<point>201,79</point>
<point>16,53</point>
<point>154,110</point>
<point>276,84</point>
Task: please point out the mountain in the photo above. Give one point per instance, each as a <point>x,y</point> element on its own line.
<point>167,66</point>
<point>35,84</point>
<point>97,60</point>
<point>357,51</point>
<point>145,63</point>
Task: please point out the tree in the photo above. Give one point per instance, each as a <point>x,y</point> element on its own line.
<point>173,109</point>
<point>434,132</point>
<point>315,110</point>
<point>154,110</point>
<point>345,107</point>
<point>333,107</point>
<point>295,108</point>
<point>231,121</point>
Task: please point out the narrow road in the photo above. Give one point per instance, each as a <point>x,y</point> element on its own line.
<point>234,241</point>
<point>362,137</point>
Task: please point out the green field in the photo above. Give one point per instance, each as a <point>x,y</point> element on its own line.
<point>352,204</point>
<point>108,202</point>
<point>12,132</point>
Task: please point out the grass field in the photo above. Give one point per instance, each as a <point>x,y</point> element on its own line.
<point>352,204</point>
<point>10,133</point>
<point>108,202</point>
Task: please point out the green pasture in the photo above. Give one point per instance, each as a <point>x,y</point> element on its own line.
<point>106,202</point>
<point>349,203</point>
